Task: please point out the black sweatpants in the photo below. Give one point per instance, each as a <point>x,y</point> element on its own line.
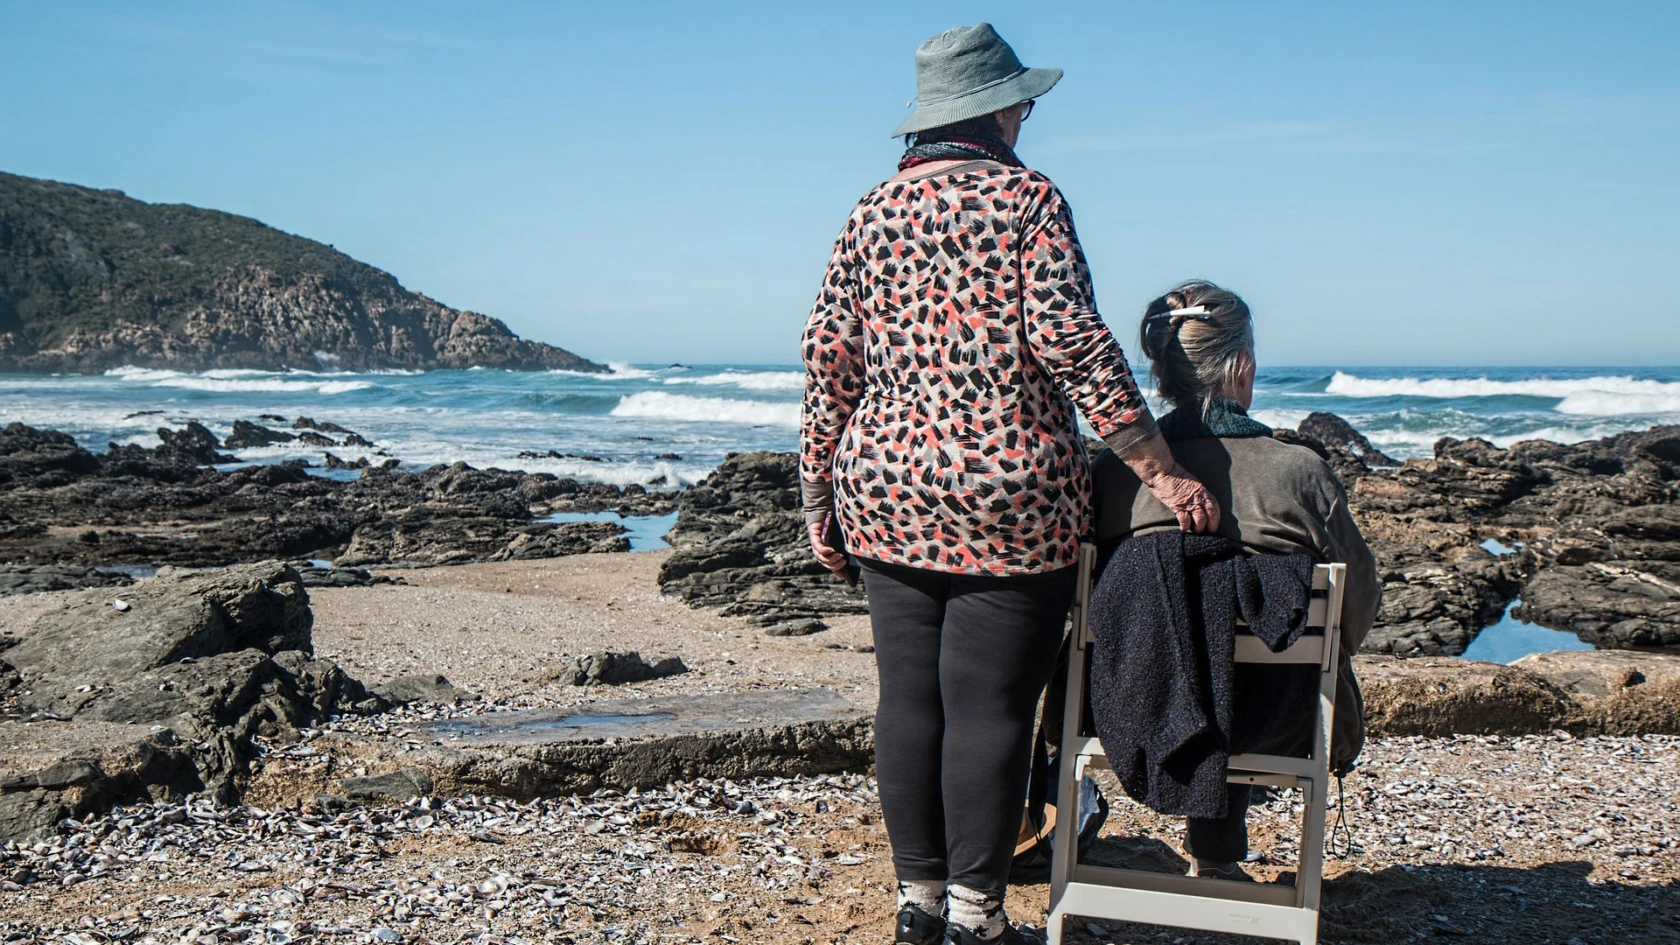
<point>962,661</point>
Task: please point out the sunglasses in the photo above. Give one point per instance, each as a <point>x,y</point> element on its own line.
<point>1027,107</point>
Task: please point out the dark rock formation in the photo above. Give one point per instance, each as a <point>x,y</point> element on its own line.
<point>421,687</point>
<point>1608,604</point>
<point>1596,526</point>
<point>1587,693</point>
<point>796,628</point>
<point>27,579</point>
<point>92,279</point>
<point>399,785</point>
<point>158,691</point>
<point>61,504</point>
<point>741,546</point>
<point>1339,438</point>
<point>91,646</point>
<point>246,435</point>
<point>342,577</point>
<point>615,669</point>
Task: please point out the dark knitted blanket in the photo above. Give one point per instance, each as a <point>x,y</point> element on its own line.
<point>1164,616</point>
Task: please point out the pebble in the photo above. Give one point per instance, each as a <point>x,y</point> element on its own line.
<point>626,866</point>
<point>598,861</point>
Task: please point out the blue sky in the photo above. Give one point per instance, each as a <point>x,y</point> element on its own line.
<point>1421,183</point>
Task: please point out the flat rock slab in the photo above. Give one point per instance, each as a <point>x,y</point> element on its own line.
<point>623,744</point>
<point>714,714</point>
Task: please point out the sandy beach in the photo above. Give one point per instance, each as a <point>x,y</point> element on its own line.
<point>504,630</point>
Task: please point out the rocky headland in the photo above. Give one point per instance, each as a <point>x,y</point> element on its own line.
<point>93,279</point>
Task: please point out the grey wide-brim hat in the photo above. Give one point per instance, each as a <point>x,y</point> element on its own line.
<point>966,72</point>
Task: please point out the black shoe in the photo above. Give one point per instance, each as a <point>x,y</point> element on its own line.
<point>1012,935</point>
<point>917,927</point>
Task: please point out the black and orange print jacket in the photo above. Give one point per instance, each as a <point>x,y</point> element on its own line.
<point>955,331</point>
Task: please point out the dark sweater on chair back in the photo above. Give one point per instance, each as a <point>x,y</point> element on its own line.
<point>1164,616</point>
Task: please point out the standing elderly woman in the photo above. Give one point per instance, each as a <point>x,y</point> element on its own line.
<point>955,331</point>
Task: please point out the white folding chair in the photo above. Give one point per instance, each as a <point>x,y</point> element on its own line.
<point>1267,910</point>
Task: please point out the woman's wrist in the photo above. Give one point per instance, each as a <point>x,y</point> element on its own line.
<point>816,498</point>
<point>1149,458</point>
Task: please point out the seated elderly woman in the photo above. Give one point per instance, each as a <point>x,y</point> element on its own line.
<point>1276,498</point>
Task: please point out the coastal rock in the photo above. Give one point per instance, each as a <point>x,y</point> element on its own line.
<point>160,691</point>
<point>342,577</point>
<point>27,579</point>
<point>1609,604</point>
<point>73,655</point>
<point>614,669</point>
<point>1596,526</point>
<point>62,504</point>
<point>619,744</point>
<point>1585,693</point>
<point>741,546</point>
<point>421,687</point>
<point>399,785</point>
<point>1620,693</point>
<point>796,628</point>
<point>438,536</point>
<point>1450,696</point>
<point>52,771</point>
<point>1346,449</point>
<point>193,442</point>
<point>310,423</point>
<point>98,280</point>
<point>41,458</point>
<point>247,435</point>
<point>1438,608</point>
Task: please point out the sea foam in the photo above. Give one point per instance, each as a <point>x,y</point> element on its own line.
<point>747,380</point>
<point>229,380</point>
<point>660,405</point>
<point>1608,395</point>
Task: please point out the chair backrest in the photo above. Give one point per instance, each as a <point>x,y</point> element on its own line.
<point>1324,617</point>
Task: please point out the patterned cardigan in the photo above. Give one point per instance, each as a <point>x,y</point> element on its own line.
<point>956,320</point>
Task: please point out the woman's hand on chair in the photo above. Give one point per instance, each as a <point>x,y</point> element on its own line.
<point>829,558</point>
<point>1187,498</point>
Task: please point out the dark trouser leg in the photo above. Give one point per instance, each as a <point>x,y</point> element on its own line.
<point>1221,839</point>
<point>906,612</point>
<point>1000,641</point>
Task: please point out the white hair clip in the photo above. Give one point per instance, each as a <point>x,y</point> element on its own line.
<point>1198,312</point>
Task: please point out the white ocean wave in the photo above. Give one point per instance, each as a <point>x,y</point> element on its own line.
<point>237,381</point>
<point>616,371</point>
<point>1599,404</point>
<point>747,380</point>
<point>1641,396</point>
<point>129,372</point>
<point>1567,435</point>
<point>663,406</point>
<point>266,385</point>
<point>1404,443</point>
<point>1280,419</point>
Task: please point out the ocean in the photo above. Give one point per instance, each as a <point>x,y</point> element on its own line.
<point>668,426</point>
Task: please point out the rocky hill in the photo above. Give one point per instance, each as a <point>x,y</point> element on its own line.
<point>93,279</point>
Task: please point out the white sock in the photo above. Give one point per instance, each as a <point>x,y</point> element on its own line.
<point>977,912</point>
<point>927,895</point>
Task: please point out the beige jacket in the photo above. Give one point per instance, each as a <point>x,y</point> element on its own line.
<point>1274,498</point>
